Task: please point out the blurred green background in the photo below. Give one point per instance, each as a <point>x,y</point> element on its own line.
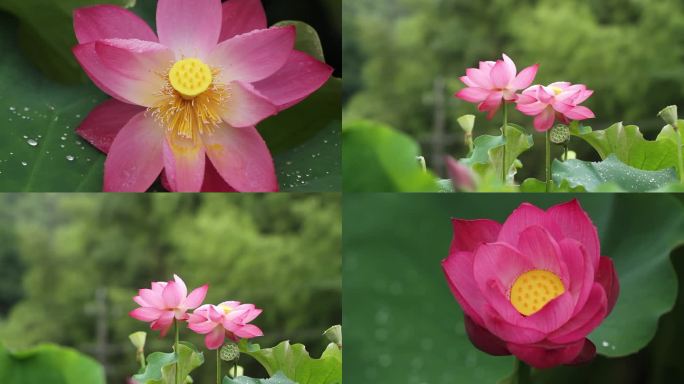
<point>404,326</point>
<point>71,263</point>
<point>403,59</point>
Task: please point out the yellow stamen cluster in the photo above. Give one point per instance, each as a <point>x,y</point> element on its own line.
<point>533,289</point>
<point>557,90</point>
<point>190,101</point>
<point>226,309</point>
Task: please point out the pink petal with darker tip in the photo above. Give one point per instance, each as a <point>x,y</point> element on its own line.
<point>184,162</point>
<point>296,80</point>
<point>242,158</point>
<point>242,16</point>
<point>470,234</point>
<point>542,357</point>
<point>105,121</point>
<point>253,56</point>
<point>458,269</point>
<point>213,182</point>
<point>608,278</point>
<point>196,297</point>
<point>135,159</point>
<point>582,323</point>
<point>190,28</point>
<point>110,22</point>
<point>246,107</point>
<point>130,68</point>
<point>484,340</point>
<point>525,77</point>
<point>577,225</point>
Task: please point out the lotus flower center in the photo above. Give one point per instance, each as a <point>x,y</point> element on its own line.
<point>226,309</point>
<point>556,90</point>
<point>532,290</point>
<point>190,77</point>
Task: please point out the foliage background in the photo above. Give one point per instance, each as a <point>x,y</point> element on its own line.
<point>403,59</point>
<point>405,326</point>
<point>70,265</point>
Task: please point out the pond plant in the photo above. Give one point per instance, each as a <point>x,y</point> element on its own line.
<point>227,329</point>
<point>535,286</point>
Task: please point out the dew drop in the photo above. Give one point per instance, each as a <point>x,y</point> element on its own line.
<point>69,157</point>
<point>32,142</point>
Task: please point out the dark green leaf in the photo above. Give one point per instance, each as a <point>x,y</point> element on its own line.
<point>39,150</point>
<point>47,33</point>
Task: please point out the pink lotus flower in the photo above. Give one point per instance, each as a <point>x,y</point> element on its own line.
<point>165,302</point>
<point>462,177</point>
<point>535,286</point>
<point>229,319</point>
<point>558,100</point>
<point>495,82</point>
<point>194,91</point>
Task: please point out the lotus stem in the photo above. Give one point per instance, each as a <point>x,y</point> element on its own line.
<point>523,373</point>
<point>503,134</point>
<point>218,366</point>
<point>175,323</point>
<point>679,154</point>
<point>548,161</point>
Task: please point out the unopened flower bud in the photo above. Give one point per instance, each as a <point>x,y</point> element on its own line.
<point>560,134</point>
<point>138,340</point>
<point>467,122</point>
<point>230,352</point>
<point>669,114</point>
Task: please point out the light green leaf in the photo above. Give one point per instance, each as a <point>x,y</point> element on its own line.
<point>47,34</point>
<point>535,185</point>
<point>161,367</point>
<point>49,364</point>
<point>293,361</point>
<point>593,176</point>
<point>278,378</point>
<point>629,146</point>
<point>488,150</point>
<point>376,158</point>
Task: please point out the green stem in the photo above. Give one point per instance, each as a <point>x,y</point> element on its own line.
<point>218,366</point>
<point>175,323</point>
<point>565,152</point>
<point>503,134</point>
<point>679,155</point>
<point>235,365</point>
<point>548,161</point>
<point>524,374</point>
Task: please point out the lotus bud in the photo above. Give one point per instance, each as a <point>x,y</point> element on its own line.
<point>669,115</point>
<point>467,123</point>
<point>138,340</point>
